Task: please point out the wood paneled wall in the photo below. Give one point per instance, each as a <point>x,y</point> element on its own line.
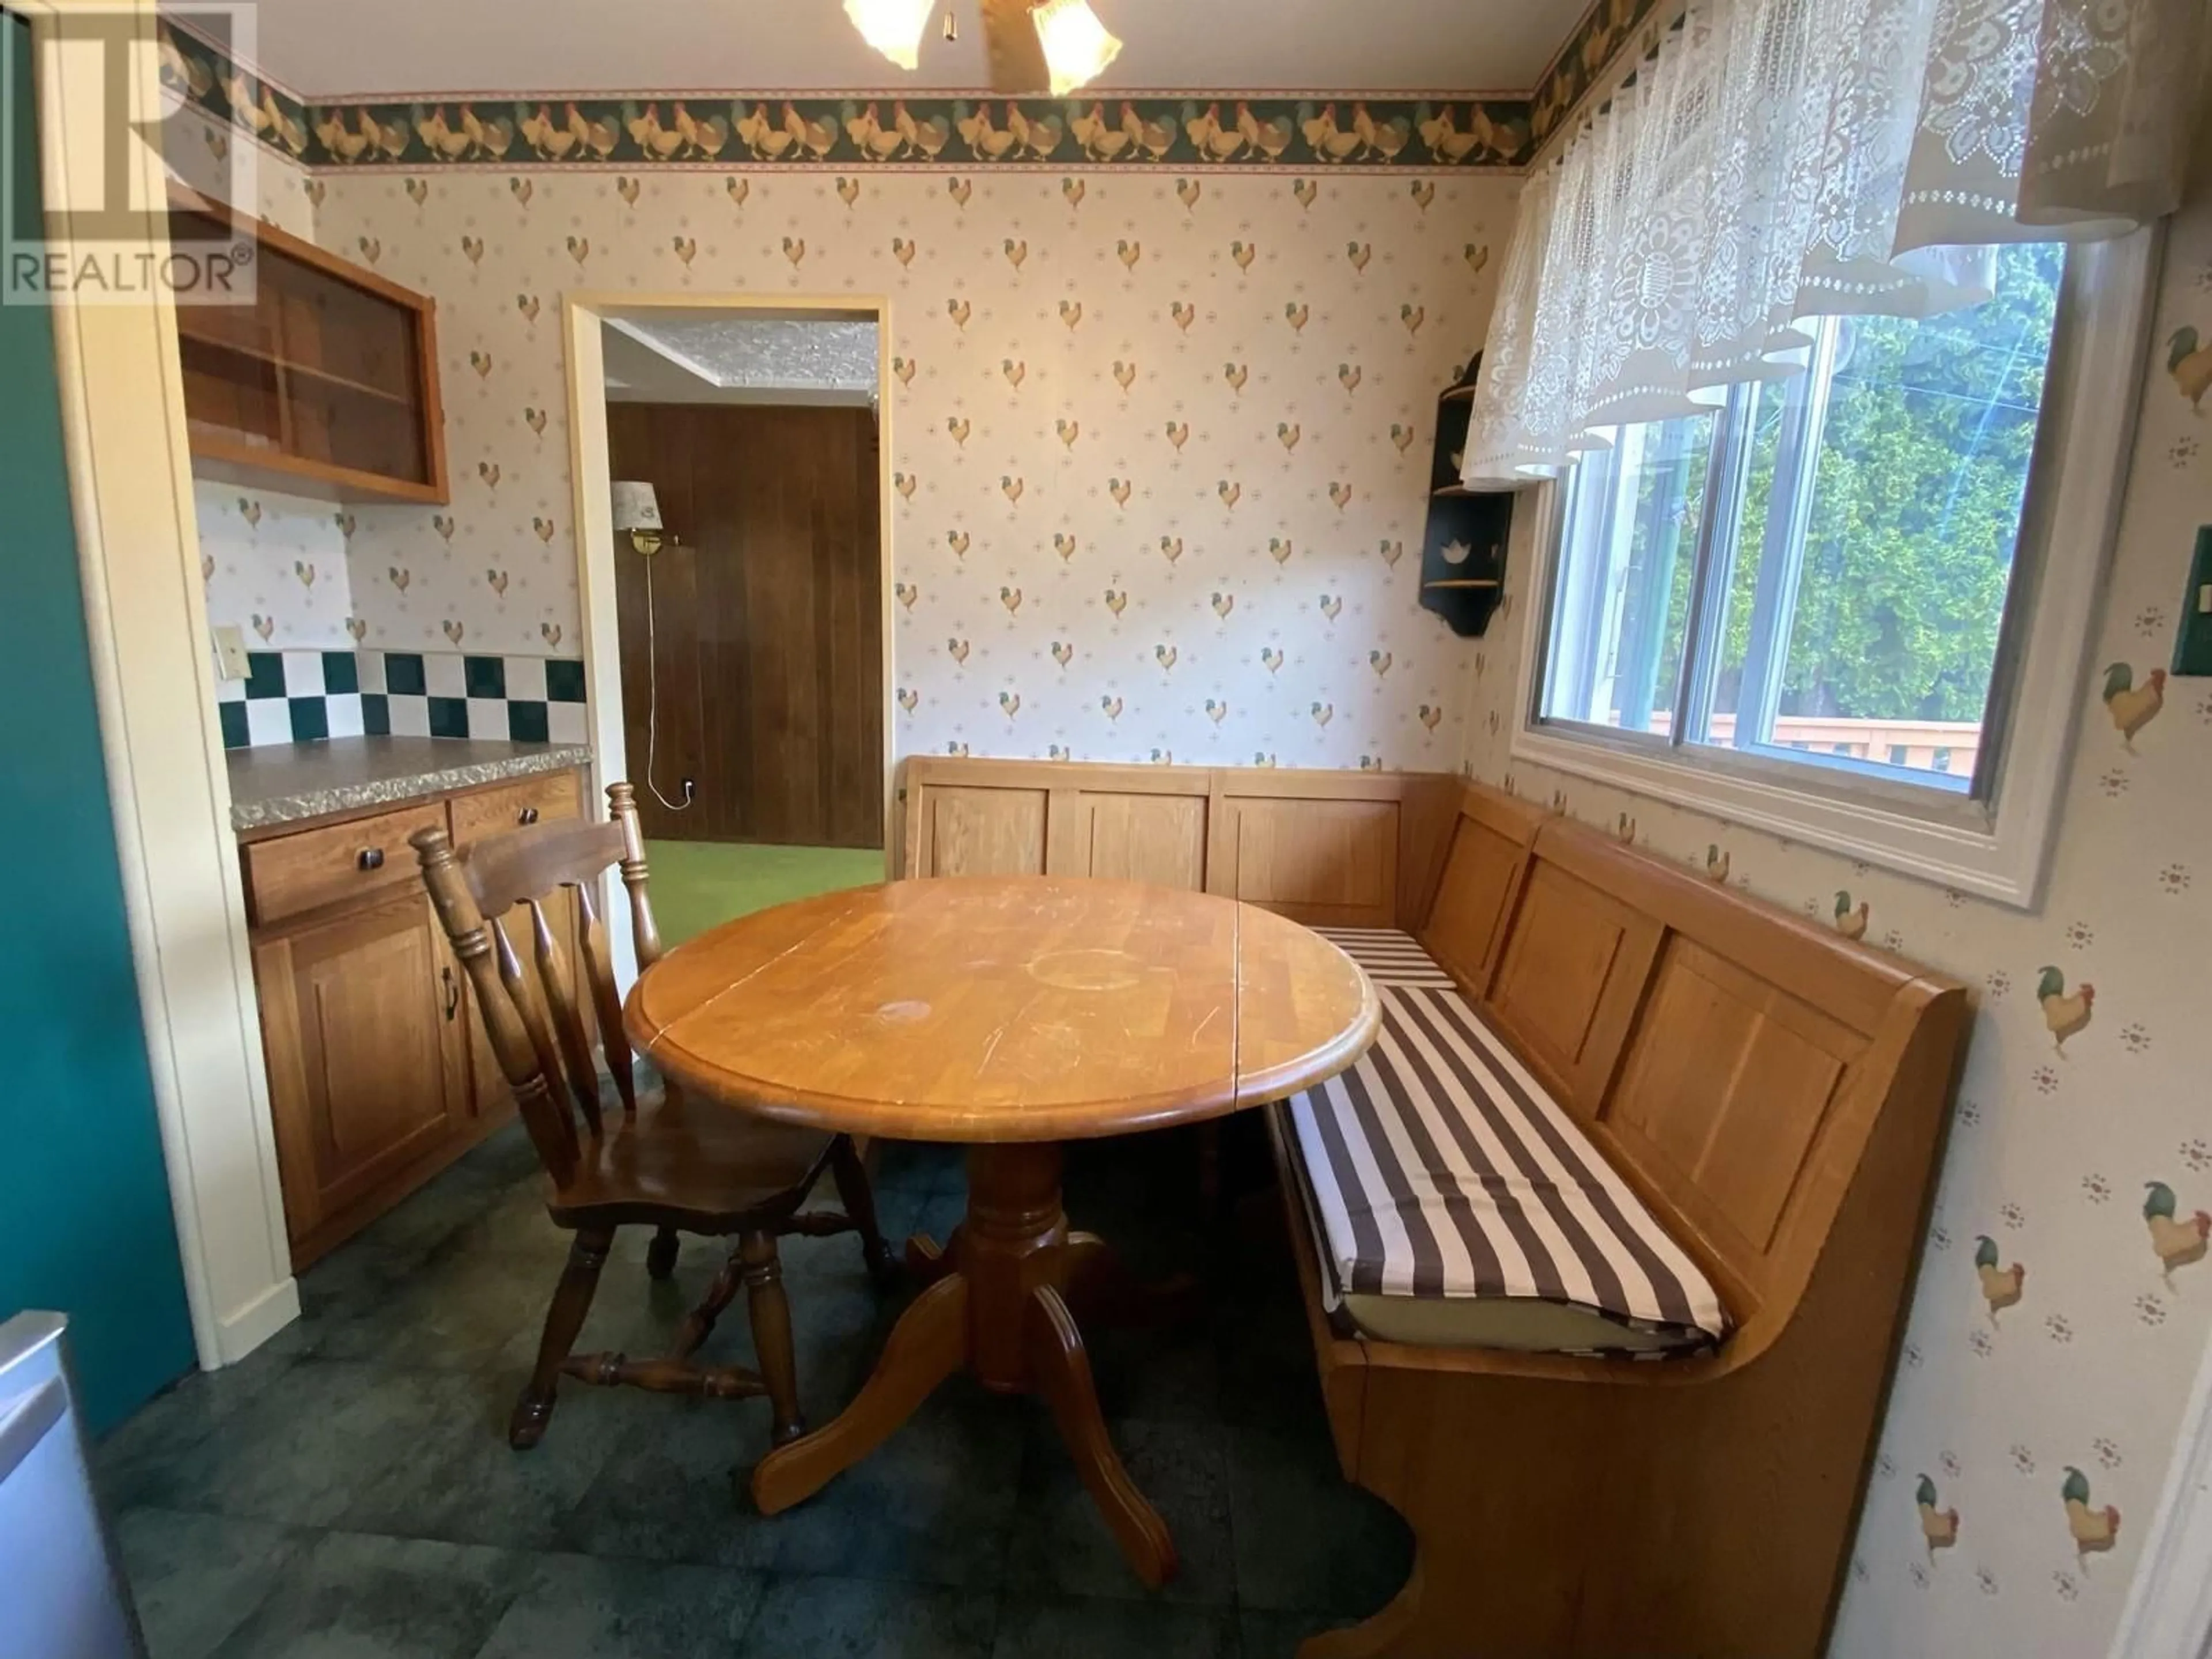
<point>1351,848</point>
<point>768,612</point>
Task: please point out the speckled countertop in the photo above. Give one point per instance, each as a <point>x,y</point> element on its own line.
<point>282,783</point>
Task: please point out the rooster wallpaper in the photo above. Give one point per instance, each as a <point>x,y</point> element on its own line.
<point>1159,440</point>
<point>1160,436</point>
<point>2064,1296</point>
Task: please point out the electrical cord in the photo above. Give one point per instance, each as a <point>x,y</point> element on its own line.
<point>653,703</point>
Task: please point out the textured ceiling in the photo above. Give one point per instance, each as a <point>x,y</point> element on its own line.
<point>324,50</point>
<point>729,357</point>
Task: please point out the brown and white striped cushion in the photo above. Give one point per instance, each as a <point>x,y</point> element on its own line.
<point>1437,1169</point>
<point>1390,957</point>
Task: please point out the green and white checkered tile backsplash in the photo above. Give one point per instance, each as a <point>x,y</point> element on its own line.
<point>308,697</point>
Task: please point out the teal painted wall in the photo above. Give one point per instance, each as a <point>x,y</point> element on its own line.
<point>82,1188</point>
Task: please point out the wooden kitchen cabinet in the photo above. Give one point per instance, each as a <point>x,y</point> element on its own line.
<point>369,1059</point>
<point>378,1076</point>
<point>325,384</point>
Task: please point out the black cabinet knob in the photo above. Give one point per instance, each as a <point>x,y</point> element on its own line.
<point>369,858</point>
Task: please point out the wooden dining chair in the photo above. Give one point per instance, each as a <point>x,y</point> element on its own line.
<point>660,1162</point>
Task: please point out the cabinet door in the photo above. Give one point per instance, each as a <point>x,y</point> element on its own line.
<point>326,383</point>
<point>367,1057</point>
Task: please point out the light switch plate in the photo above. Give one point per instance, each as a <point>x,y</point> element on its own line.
<point>230,652</point>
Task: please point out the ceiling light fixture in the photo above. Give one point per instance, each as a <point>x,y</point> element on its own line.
<point>1074,45</point>
<point>893,27</point>
<point>1077,47</point>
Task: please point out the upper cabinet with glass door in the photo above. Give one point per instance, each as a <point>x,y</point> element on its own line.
<point>324,385</point>
<point>1822,579</point>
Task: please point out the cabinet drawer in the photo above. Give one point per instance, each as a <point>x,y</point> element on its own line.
<point>288,875</point>
<point>512,805</point>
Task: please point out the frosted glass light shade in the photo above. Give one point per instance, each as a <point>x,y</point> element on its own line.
<point>893,27</point>
<point>636,507</point>
<point>1077,47</point>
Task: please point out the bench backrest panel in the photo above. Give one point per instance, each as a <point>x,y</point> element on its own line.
<point>986,832</point>
<point>1481,878</point>
<point>1569,973</point>
<point>1724,1053</point>
<point>1137,837</point>
<point>1356,849</point>
<point>1726,1087</point>
<point>1329,863</point>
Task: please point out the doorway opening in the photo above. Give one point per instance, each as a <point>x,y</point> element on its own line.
<point>748,632</point>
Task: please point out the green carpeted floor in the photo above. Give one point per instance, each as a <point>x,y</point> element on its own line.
<point>697,884</point>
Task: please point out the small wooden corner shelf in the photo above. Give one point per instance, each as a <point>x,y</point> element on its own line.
<point>1468,529</point>
<point>325,384</point>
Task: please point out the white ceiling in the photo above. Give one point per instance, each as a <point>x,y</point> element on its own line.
<point>323,50</point>
<point>718,356</point>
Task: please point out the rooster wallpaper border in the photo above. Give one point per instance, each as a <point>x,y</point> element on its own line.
<point>872,129</point>
<point>1600,36</point>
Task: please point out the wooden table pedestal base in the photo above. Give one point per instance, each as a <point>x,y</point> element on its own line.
<point>999,1305</point>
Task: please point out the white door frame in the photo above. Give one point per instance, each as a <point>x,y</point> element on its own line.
<point>2169,1610</point>
<point>145,612</point>
<point>589,468</point>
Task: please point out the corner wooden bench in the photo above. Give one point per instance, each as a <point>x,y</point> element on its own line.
<point>1771,1095</point>
<point>1774,1095</point>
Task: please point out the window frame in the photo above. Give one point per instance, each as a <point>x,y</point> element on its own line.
<point>1992,839</point>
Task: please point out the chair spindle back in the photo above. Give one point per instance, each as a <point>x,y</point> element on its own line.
<point>535,1021</point>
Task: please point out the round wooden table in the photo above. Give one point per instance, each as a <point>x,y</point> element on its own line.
<point>1011,1013</point>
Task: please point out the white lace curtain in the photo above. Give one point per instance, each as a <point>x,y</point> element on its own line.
<point>1784,159</point>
